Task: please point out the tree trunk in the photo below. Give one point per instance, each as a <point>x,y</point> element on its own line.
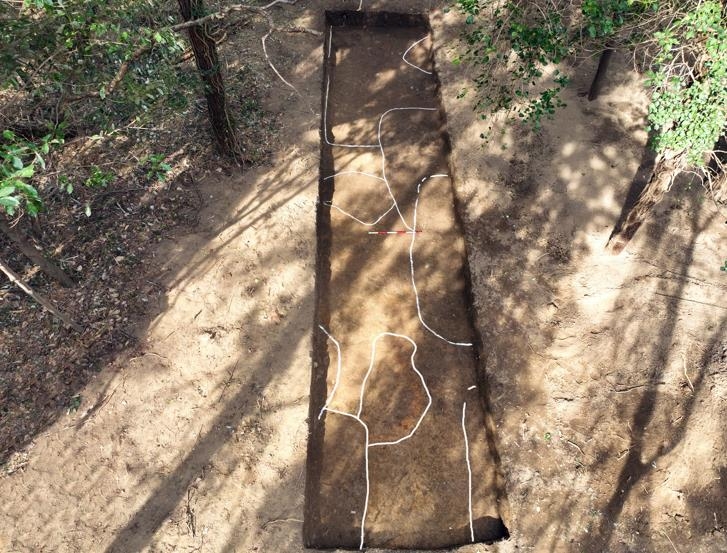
<point>719,188</point>
<point>205,55</point>
<point>48,267</point>
<point>597,83</point>
<point>667,167</point>
<point>717,167</point>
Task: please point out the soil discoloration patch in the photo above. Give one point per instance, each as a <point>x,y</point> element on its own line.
<point>395,363</point>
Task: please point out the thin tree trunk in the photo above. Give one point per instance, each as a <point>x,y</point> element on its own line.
<point>719,188</point>
<point>600,76</point>
<point>208,63</point>
<point>15,278</point>
<point>47,266</point>
<point>667,167</point>
<point>718,167</point>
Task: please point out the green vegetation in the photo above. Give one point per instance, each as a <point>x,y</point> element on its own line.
<point>19,160</point>
<point>688,77</point>
<point>156,168</point>
<point>78,65</point>
<point>518,48</point>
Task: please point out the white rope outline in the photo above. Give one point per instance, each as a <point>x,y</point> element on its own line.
<point>469,470</point>
<point>409,63</point>
<point>383,158</point>
<point>395,205</point>
<point>350,215</point>
<point>325,104</point>
<point>357,416</point>
<point>414,367</point>
<point>411,265</point>
<point>364,223</point>
<point>325,124</point>
<point>338,371</point>
<point>412,231</point>
<point>412,228</point>
<point>270,63</point>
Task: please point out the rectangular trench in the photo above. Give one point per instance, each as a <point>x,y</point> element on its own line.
<point>399,453</point>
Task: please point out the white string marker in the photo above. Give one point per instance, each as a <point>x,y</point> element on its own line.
<point>411,265</point>
<point>338,371</point>
<point>469,470</point>
<point>270,63</point>
<point>397,232</point>
<point>409,63</point>
<point>414,368</point>
<point>410,230</point>
<point>357,416</point>
<point>353,173</point>
<point>350,215</point>
<point>383,158</point>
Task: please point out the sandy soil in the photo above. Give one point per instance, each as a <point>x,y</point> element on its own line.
<point>418,481</point>
<point>607,375</point>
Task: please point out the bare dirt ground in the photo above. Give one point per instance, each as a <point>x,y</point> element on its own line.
<point>388,463</point>
<point>607,376</point>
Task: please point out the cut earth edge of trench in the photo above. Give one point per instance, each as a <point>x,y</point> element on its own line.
<point>419,469</point>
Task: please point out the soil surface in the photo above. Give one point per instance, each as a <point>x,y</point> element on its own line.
<point>178,420</point>
<point>388,442</point>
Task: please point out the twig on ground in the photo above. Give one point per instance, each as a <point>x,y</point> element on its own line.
<point>576,446</point>
<point>95,408</point>
<point>671,542</point>
<point>149,353</point>
<point>120,74</point>
<point>680,298</point>
<point>230,377</point>
<point>278,520</point>
<point>63,317</point>
<point>684,364</point>
<point>191,516</point>
<point>635,386</point>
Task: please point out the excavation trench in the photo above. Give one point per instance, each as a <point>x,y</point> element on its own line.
<point>399,454</point>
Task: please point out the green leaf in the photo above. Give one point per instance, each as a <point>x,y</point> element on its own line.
<point>102,93</point>
<point>24,173</point>
<point>30,193</point>
<point>9,203</point>
<point>32,208</point>
<point>6,191</point>
<point>17,162</point>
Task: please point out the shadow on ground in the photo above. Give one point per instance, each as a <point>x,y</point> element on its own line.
<point>197,439</point>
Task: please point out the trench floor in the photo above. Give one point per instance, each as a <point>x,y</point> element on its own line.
<point>396,406</point>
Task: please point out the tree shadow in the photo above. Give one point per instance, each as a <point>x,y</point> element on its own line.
<point>528,244</point>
